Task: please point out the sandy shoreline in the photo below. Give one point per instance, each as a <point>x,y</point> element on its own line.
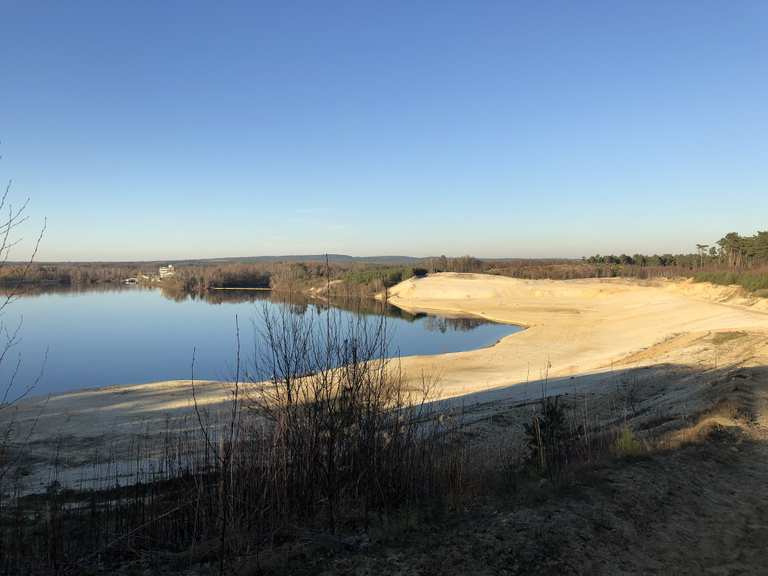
<point>578,334</point>
<point>573,327</point>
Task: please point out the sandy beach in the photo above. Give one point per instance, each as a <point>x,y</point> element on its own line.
<point>573,327</point>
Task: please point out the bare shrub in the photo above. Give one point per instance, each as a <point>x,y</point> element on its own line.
<point>349,434</point>
<point>325,433</point>
<point>549,437</point>
<point>12,391</point>
<point>12,439</point>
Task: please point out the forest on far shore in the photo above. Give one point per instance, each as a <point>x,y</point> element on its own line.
<point>734,259</point>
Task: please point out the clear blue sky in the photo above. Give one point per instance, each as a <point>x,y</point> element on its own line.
<point>151,130</point>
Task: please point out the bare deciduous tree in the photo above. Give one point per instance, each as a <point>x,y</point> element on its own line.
<point>12,391</point>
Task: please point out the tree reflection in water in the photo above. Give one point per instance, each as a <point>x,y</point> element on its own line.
<point>299,303</point>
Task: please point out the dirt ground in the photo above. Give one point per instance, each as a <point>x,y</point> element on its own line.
<point>694,502</point>
<point>698,510</point>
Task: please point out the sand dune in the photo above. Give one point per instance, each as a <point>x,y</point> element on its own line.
<point>573,327</point>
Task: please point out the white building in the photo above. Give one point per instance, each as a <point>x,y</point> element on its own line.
<point>166,271</point>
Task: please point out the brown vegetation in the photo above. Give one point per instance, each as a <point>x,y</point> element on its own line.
<point>334,440</point>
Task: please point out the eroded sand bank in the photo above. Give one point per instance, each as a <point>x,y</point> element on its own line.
<point>573,327</point>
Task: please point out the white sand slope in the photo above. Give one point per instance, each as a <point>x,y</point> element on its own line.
<point>573,327</point>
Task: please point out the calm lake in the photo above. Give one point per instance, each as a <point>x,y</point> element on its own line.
<point>134,335</point>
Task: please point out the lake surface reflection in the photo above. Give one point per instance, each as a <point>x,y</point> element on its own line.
<point>95,338</point>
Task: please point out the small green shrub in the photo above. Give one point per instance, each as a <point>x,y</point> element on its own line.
<point>752,281</point>
<point>388,276</point>
<point>548,438</point>
<point>627,443</point>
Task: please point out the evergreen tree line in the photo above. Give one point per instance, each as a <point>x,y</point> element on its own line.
<point>733,251</point>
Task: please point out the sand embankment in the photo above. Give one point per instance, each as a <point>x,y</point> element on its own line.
<point>574,327</point>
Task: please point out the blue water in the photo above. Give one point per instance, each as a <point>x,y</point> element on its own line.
<point>131,336</point>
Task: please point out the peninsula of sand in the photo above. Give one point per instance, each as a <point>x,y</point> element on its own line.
<point>578,333</point>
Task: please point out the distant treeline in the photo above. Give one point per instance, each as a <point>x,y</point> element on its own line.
<point>732,251</point>
<point>66,274</point>
<point>689,261</point>
<point>733,259</point>
<point>744,251</point>
<point>346,278</point>
<point>350,277</point>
